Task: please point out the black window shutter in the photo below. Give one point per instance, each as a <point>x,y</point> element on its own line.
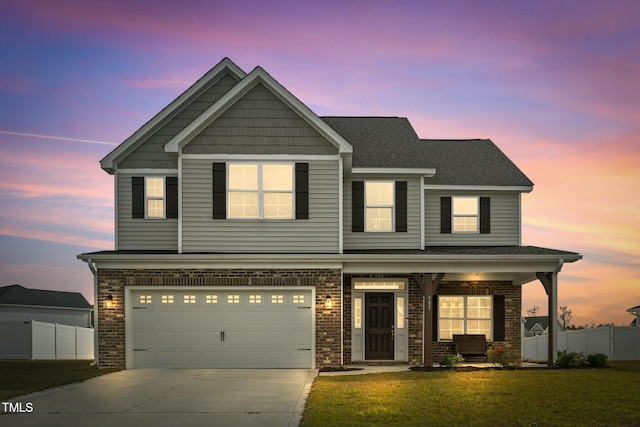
<point>498,317</point>
<point>445,215</point>
<point>137,197</point>
<point>219,191</point>
<point>485,215</point>
<point>302,190</point>
<point>171,184</point>
<point>434,311</point>
<point>357,206</point>
<point>401,206</point>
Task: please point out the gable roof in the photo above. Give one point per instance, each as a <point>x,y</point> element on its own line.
<point>19,295</point>
<point>381,142</point>
<point>391,142</point>
<point>226,66</point>
<point>532,321</point>
<point>255,77</point>
<point>472,162</point>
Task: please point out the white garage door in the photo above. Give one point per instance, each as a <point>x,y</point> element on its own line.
<point>186,328</point>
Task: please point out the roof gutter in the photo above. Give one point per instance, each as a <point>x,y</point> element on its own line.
<point>92,267</point>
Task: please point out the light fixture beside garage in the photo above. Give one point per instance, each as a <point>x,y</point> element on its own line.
<point>109,303</point>
<point>328,303</point>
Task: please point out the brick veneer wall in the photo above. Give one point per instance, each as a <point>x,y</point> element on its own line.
<point>513,302</point>
<point>111,322</point>
<point>512,307</point>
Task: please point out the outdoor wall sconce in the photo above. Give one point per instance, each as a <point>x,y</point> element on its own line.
<point>328,303</point>
<point>109,303</point>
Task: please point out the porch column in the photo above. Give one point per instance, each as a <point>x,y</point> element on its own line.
<point>428,286</point>
<point>550,283</point>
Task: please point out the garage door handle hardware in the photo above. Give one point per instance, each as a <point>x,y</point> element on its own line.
<point>304,349</point>
<point>140,349</point>
<point>304,307</point>
<point>221,335</point>
<point>139,308</point>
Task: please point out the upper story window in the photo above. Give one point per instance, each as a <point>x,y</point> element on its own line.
<point>465,214</point>
<point>379,200</point>
<point>154,196</point>
<point>260,191</point>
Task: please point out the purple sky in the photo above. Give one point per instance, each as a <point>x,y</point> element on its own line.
<point>555,84</point>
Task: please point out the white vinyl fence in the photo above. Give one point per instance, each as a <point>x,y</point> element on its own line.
<point>617,342</point>
<point>39,340</point>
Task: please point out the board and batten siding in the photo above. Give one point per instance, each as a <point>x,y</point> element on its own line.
<point>151,154</point>
<point>384,240</point>
<point>201,233</point>
<point>260,123</point>
<point>141,233</point>
<point>505,220</point>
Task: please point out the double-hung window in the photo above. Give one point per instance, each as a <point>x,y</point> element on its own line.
<point>260,190</point>
<point>464,315</point>
<point>379,198</point>
<point>154,196</point>
<point>465,214</point>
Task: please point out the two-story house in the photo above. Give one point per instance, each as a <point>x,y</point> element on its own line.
<point>249,232</point>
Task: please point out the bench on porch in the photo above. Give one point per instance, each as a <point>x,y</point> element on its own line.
<point>470,345</point>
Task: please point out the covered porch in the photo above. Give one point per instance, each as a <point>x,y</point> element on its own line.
<point>441,269</point>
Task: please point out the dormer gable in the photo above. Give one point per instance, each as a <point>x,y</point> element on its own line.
<point>208,88</point>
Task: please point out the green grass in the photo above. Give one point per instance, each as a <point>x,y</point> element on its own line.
<point>585,397</point>
<point>23,377</point>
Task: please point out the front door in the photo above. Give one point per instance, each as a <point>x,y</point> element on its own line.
<point>379,326</point>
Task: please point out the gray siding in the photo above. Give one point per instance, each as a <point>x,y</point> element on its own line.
<point>203,234</point>
<point>505,221</point>
<point>140,233</point>
<point>383,240</point>
<point>151,154</point>
<point>259,123</point>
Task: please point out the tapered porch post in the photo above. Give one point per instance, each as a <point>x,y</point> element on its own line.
<point>550,283</point>
<point>428,286</point>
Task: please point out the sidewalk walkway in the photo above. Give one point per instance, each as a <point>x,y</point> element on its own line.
<point>360,369</point>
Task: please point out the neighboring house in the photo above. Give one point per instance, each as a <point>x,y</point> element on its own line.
<point>18,303</point>
<point>249,232</point>
<point>635,311</point>
<point>538,325</point>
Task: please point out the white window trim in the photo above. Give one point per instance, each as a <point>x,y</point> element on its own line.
<point>392,206</point>
<point>163,198</point>
<point>261,192</point>
<point>476,216</point>
<point>465,318</point>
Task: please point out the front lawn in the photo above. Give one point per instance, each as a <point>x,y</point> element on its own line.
<point>18,377</point>
<point>584,397</point>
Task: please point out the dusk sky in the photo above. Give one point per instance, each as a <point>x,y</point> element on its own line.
<point>555,84</point>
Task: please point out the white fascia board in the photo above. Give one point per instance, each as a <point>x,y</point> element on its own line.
<point>407,263</point>
<point>426,172</point>
<point>258,75</point>
<point>148,171</point>
<point>265,157</point>
<point>518,188</point>
<point>226,65</point>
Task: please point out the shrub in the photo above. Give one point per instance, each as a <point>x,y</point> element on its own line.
<point>505,358</point>
<point>451,360</point>
<point>570,360</point>
<point>598,360</point>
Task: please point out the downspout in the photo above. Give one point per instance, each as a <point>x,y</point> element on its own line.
<point>92,267</point>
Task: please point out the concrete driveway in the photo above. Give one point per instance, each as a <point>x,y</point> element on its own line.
<point>172,397</point>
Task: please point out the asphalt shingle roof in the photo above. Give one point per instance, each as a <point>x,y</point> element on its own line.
<point>19,295</point>
<point>391,142</point>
